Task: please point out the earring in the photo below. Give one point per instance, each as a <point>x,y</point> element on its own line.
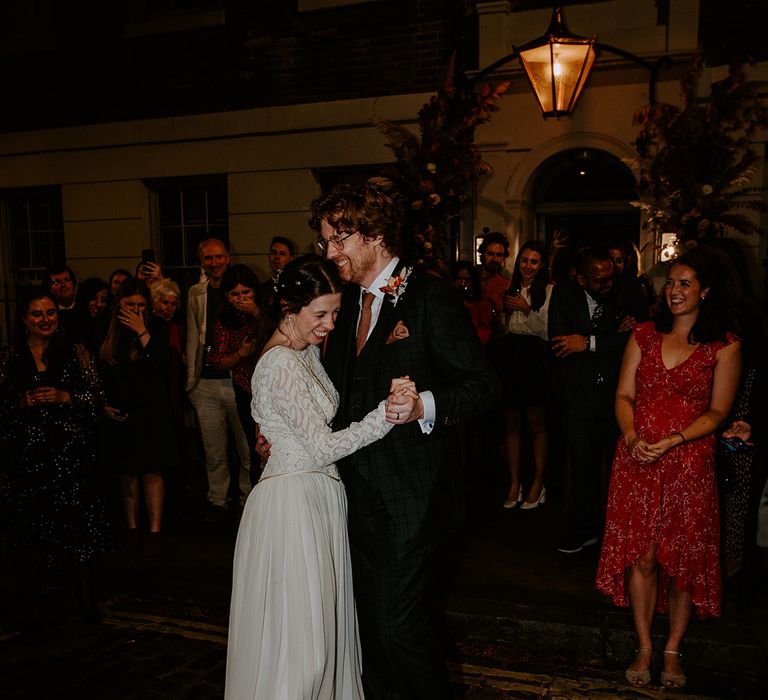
<point>703,296</point>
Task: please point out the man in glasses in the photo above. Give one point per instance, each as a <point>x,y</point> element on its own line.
<point>403,490</point>
<point>587,334</point>
<point>61,282</point>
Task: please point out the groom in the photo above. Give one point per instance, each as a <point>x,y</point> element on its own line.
<point>402,490</point>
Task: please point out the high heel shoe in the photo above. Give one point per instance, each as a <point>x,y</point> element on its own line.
<point>641,677</point>
<point>528,505</point>
<point>513,504</point>
<point>674,681</point>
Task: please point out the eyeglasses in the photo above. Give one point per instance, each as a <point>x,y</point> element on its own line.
<point>335,240</point>
<point>59,282</point>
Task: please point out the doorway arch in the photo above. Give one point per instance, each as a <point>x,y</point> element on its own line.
<point>594,205</point>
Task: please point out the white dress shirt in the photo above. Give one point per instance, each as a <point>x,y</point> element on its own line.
<point>427,423</point>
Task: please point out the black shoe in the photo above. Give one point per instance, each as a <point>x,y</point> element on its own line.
<point>216,515</point>
<point>572,544</point>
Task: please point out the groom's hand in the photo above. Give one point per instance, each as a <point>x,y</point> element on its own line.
<point>263,446</point>
<point>404,408</point>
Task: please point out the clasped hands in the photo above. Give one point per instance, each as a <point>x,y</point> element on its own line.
<point>403,403</point>
<point>45,395</point>
<point>643,451</point>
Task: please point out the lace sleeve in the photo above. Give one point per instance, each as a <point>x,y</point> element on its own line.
<point>292,398</point>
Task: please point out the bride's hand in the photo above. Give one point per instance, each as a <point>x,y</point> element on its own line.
<point>403,385</point>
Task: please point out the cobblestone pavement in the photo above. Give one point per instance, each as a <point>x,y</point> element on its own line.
<point>150,650</point>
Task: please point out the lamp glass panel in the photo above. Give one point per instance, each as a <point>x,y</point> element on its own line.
<point>557,72</point>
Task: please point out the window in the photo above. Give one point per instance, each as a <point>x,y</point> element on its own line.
<point>188,212</point>
<point>36,231</point>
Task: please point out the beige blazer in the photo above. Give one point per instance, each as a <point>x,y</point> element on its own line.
<point>197,303</point>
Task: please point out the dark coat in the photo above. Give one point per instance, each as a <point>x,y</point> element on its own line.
<point>581,372</point>
<point>414,473</point>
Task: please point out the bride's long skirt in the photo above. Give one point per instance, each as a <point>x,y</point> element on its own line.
<point>292,626</point>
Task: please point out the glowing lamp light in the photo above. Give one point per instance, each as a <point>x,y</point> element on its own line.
<point>670,247</point>
<point>557,66</point>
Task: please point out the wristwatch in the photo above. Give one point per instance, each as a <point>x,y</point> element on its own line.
<point>587,342</point>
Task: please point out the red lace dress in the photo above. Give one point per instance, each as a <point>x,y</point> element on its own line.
<point>672,503</point>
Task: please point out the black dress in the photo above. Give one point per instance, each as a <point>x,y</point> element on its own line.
<point>137,384</point>
<point>49,452</point>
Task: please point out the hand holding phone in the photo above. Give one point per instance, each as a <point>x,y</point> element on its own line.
<point>734,444</point>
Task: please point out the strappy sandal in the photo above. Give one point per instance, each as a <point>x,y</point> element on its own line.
<point>674,681</point>
<point>641,677</point>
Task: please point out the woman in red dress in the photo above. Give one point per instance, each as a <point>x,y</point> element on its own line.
<point>678,380</point>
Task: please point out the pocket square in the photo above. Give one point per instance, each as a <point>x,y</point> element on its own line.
<point>399,332</point>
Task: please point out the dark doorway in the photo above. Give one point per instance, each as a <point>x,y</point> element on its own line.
<point>585,195</point>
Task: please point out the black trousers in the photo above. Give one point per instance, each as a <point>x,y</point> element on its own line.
<point>591,433</point>
<point>393,571</point>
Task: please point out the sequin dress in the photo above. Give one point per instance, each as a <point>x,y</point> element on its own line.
<point>57,514</point>
<point>671,504</point>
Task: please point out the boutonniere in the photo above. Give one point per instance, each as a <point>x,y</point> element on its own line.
<point>396,285</point>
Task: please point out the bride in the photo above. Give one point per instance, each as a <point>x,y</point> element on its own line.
<point>293,627</point>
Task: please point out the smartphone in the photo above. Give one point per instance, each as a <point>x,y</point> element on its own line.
<point>734,444</point>
<point>148,255</point>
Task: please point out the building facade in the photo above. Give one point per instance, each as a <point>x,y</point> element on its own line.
<point>158,128</point>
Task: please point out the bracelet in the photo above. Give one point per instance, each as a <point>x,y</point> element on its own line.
<point>143,333</point>
<point>682,437</point>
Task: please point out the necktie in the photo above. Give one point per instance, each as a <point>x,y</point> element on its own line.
<point>365,320</point>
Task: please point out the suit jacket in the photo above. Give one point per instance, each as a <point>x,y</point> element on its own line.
<point>582,372</point>
<point>197,302</point>
<point>413,472</point>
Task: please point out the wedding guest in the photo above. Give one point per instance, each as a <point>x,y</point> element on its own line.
<point>232,345</point>
<point>50,398</point>
<point>136,442</point>
<point>281,251</point>
<point>115,279</point>
<point>166,298</point>
<point>494,251</point>
<point>61,282</point>
<point>210,389</point>
<point>467,280</point>
<point>587,336</point>
<point>678,380</point>
<point>522,362</point>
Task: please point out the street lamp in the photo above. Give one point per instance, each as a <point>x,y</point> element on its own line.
<point>558,64</point>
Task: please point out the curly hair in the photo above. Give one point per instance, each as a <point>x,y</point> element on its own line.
<point>373,209</point>
<point>713,321</point>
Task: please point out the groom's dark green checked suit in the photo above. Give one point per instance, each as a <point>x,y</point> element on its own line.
<point>403,490</point>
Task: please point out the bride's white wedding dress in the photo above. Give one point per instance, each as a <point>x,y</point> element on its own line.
<point>292,625</point>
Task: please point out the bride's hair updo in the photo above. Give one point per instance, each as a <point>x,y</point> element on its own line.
<point>302,280</point>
